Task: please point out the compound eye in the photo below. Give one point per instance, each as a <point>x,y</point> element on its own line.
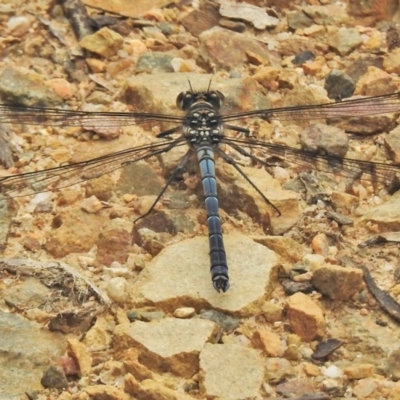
<point>215,97</point>
<point>185,100</point>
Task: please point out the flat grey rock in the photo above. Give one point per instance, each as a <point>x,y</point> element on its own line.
<point>240,378</point>
<point>169,344</point>
<point>180,275</point>
<point>26,350</point>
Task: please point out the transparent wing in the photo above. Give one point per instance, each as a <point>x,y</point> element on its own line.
<point>389,103</point>
<point>347,167</point>
<point>88,119</point>
<point>67,175</point>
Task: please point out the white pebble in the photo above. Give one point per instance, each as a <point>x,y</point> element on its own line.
<point>16,22</point>
<point>281,174</point>
<point>40,198</point>
<point>91,205</point>
<point>332,371</point>
<point>117,289</point>
<point>184,312</point>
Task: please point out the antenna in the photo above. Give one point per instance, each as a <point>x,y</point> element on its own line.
<point>190,85</point>
<point>209,85</point>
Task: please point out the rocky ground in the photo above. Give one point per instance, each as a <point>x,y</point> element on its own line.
<point>94,306</point>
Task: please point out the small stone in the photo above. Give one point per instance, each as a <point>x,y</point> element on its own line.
<point>61,87</point>
<point>303,57</point>
<point>298,386</point>
<point>292,338</point>
<point>288,79</point>
<point>96,65</point>
<point>359,371</point>
<point>320,244</point>
<point>292,353</point>
<point>314,31</point>
<point>233,53</point>
<point>135,262</point>
<point>278,369</point>
<point>272,312</point>
<point>344,201</point>
<point>80,353</point>
<point>392,365</point>
<point>154,61</point>
<point>182,65</point>
<point>184,312</point>
<point>267,76</point>
<point>305,317</point>
<point>54,377</point>
<point>391,62</point>
<point>68,197</point>
<point>314,67</point>
<point>235,26</point>
<point>324,138</point>
<point>313,261</point>
<point>69,366</point>
<point>18,26</point>
<point>99,336</point>
<point>256,59</point>
<point>298,20</point>
<point>28,89</point>
<point>364,388</point>
<point>339,85</point>
<point>114,68</point>
<point>268,342</point>
<point>105,42</point>
<point>345,40</point>
<point>311,369</point>
<point>330,385</point>
<point>373,44</point>
<point>375,82</point>
<point>91,205</point>
<point>114,242</point>
<point>385,217</point>
<point>332,372</point>
<point>336,282</point>
<point>227,322</point>
<point>303,277</point>
<point>100,187</point>
<point>117,289</point>
<point>248,12</point>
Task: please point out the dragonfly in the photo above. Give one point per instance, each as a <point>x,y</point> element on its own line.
<point>203,128</point>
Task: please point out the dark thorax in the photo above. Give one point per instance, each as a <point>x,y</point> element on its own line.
<point>202,123</point>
